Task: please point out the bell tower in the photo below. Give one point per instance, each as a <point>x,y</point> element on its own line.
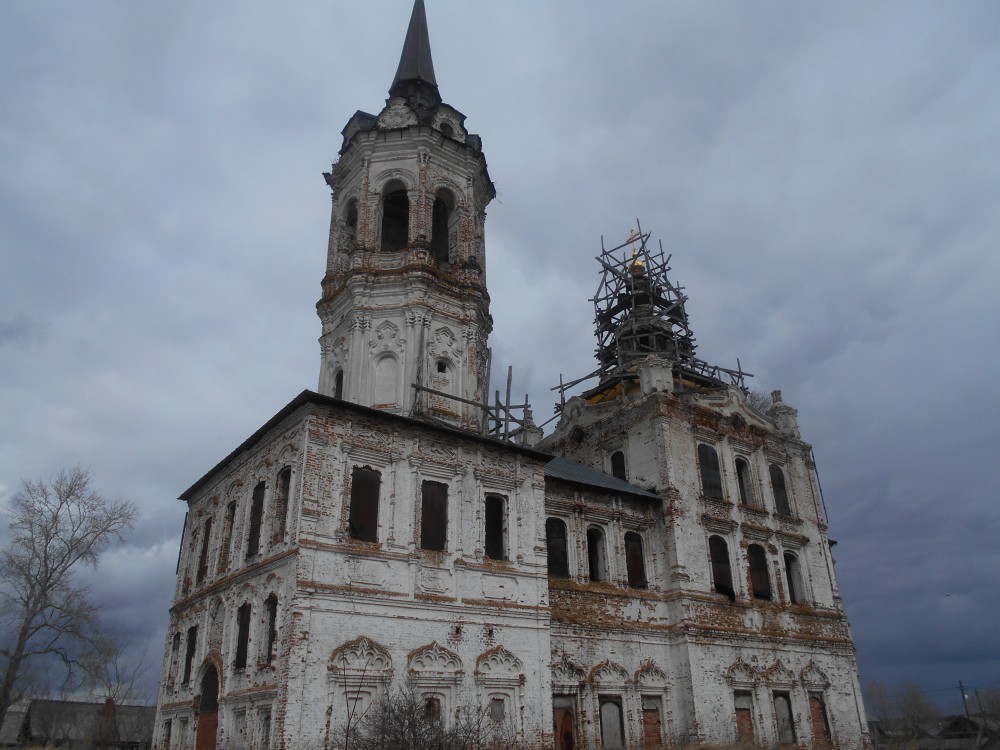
<point>404,299</point>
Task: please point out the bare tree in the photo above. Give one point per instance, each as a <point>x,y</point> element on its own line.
<point>760,400</point>
<point>57,525</point>
<point>113,670</point>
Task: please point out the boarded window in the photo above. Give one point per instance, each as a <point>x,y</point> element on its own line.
<point>783,715</point>
<point>743,478</point>
<point>363,519</point>
<point>555,542</point>
<point>596,554</point>
<point>722,574</point>
<point>256,518</point>
<point>652,724</point>
<point>744,717</point>
<point>203,557</point>
<point>496,521</point>
<point>780,493</point>
<point>338,384</point>
<point>708,464</point>
<point>498,709</point>
<point>395,221</point>
<point>271,605</point>
<point>386,372</point>
<point>564,721</point>
<point>793,575</point>
<point>760,581</point>
<point>634,563</point>
<point>434,516</point>
<point>265,729</point>
<point>242,636</point>
<point>227,537</point>
<point>282,489</point>
<point>192,642</point>
<point>612,728</point>
<point>818,718</point>
<point>618,465</point>
<point>432,708</point>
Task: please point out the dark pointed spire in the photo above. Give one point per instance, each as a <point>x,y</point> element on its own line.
<point>416,69</point>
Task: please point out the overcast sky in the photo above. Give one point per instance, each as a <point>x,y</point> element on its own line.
<point>826,175</point>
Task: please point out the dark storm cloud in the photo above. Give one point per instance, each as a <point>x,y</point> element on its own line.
<point>825,177</point>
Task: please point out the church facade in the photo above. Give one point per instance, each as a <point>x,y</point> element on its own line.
<point>654,573</point>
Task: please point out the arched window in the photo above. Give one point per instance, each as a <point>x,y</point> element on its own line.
<point>281,491</point>
<point>778,488</point>
<point>711,478</point>
<point>227,537</point>
<point>256,519</point>
<point>722,572</point>
<point>351,217</point>
<point>395,217</point>
<point>783,715</point>
<point>760,580</point>
<point>203,557</point>
<point>820,724</point>
<point>338,384</point>
<point>555,542</point>
<point>363,519</point>
<point>618,465</point>
<point>634,563</point>
<point>271,606</point>
<point>442,219</point>
<point>793,574</point>
<point>242,636</point>
<point>496,527</point>
<point>386,369</point>
<point>743,478</point>
<point>596,554</point>
<point>189,650</point>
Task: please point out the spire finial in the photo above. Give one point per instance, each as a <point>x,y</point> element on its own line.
<point>415,64</point>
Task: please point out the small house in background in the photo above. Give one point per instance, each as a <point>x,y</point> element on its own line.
<point>78,725</point>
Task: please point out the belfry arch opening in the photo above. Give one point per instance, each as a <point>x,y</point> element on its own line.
<point>443,217</point>
<point>351,217</point>
<point>395,217</point>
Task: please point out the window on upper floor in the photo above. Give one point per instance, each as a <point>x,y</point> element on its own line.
<point>793,575</point>
<point>708,465</point>
<point>395,217</point>
<point>338,384</point>
<point>434,516</point>
<point>256,519</point>
<point>778,488</point>
<point>351,217</point>
<point>271,607</point>
<point>441,222</point>
<point>362,521</point>
<point>744,481</point>
<point>495,513</point>
<point>618,465</point>
<point>555,542</point>
<point>192,643</point>
<point>203,557</point>
<point>227,537</point>
<point>282,490</point>
<point>635,565</point>
<point>596,554</point>
<point>722,572</point>
<point>242,636</point>
<point>760,579</point>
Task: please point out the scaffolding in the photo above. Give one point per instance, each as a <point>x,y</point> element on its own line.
<point>638,313</point>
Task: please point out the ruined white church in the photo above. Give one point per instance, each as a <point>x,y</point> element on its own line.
<point>655,572</point>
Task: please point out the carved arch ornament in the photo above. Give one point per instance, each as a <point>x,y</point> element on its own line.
<point>567,674</point>
<point>608,673</point>
<point>386,338</point>
<point>385,177</point>
<point>778,674</point>
<point>649,675</point>
<point>434,660</point>
<point>362,656</point>
<point>396,114</point>
<point>498,664</point>
<point>741,673</point>
<point>813,676</point>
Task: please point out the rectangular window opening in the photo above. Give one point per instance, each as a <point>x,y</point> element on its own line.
<point>434,516</point>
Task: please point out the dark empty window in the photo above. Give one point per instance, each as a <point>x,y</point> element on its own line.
<point>203,557</point>
<point>780,494</point>
<point>495,523</point>
<point>760,581</point>
<point>242,636</point>
<point>192,642</point>
<point>618,465</point>
<point>434,516</point>
<point>743,478</point>
<point>395,221</point>
<point>634,563</point>
<point>555,542</point>
<point>351,217</point>
<point>440,225</point>
<point>432,708</point>
<point>722,574</point>
<point>271,605</point>
<point>793,575</point>
<point>363,520</point>
<point>596,559</point>
<point>442,367</point>
<point>711,479</point>
<point>227,537</point>
<point>338,384</point>
<point>175,654</point>
<point>256,518</point>
<point>281,503</point>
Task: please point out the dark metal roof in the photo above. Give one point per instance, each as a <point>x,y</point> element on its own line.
<point>571,471</point>
<point>415,63</point>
